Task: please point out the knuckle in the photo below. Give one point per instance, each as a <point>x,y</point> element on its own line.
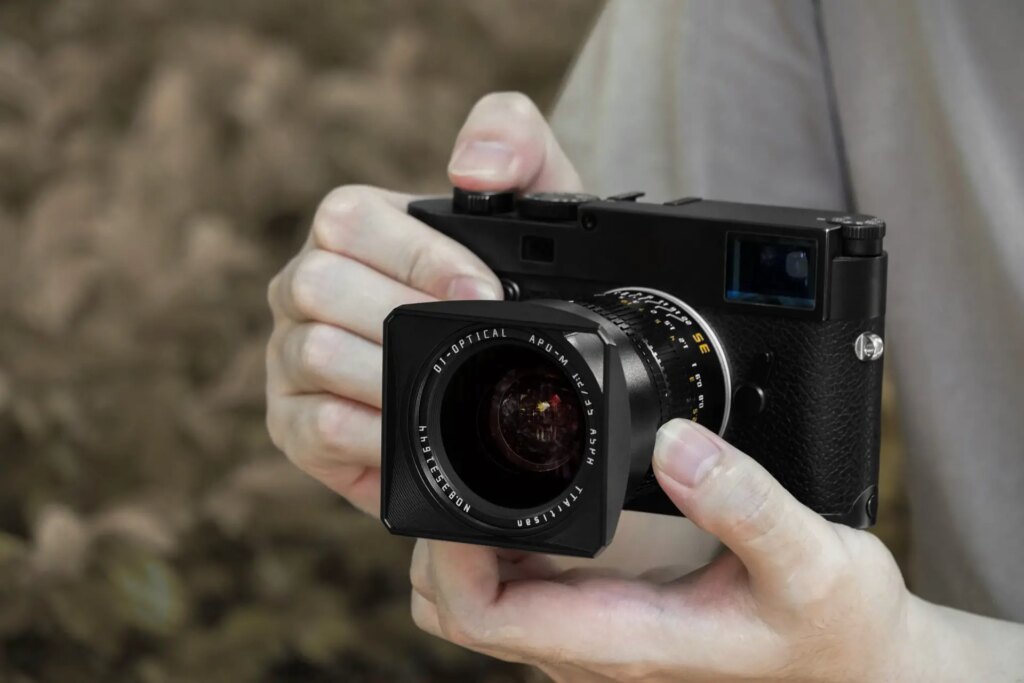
<point>419,569</point>
<point>339,213</point>
<point>420,617</point>
<point>828,572</point>
<point>318,348</point>
<point>421,260</point>
<point>331,421</point>
<point>272,291</point>
<point>417,578</point>
<point>457,628</point>
<point>274,425</point>
<point>309,282</point>
<point>755,503</point>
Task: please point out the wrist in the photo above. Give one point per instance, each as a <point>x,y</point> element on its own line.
<point>944,644</point>
<point>930,649</point>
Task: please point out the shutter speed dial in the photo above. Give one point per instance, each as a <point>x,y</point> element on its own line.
<point>553,206</point>
<point>482,203</point>
<point>536,206</point>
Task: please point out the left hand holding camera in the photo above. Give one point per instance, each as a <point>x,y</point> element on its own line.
<point>797,598</point>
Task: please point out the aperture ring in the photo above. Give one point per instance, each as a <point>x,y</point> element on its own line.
<point>683,356</point>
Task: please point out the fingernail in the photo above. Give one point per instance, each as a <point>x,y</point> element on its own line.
<point>483,159</point>
<point>467,287</point>
<point>683,453</point>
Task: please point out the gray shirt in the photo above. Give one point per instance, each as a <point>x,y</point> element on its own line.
<point>910,110</point>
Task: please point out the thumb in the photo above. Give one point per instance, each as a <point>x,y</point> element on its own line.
<point>506,144</point>
<point>728,494</point>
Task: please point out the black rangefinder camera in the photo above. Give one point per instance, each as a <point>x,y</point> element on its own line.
<point>529,423</point>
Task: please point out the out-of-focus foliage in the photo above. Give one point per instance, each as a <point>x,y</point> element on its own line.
<point>159,160</point>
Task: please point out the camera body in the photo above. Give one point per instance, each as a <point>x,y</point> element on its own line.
<point>529,423</point>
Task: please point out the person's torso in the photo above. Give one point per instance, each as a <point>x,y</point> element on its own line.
<point>732,101</point>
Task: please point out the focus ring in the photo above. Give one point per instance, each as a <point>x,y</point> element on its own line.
<point>665,362</point>
<point>629,320</point>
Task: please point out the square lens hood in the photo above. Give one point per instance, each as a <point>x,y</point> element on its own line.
<point>419,498</point>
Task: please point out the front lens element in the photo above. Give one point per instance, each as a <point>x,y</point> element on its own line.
<point>535,418</point>
<point>512,426</point>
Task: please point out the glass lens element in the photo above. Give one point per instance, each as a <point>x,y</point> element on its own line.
<point>535,418</point>
<point>512,426</point>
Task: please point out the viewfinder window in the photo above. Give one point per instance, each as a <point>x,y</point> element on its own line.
<point>772,271</point>
<point>540,249</point>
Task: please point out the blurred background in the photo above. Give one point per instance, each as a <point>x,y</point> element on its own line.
<point>159,161</point>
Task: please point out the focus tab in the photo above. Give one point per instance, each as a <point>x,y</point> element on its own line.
<point>482,203</point>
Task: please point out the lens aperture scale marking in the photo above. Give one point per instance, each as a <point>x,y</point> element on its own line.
<point>678,347</point>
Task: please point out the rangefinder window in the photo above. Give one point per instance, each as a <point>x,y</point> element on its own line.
<point>772,271</point>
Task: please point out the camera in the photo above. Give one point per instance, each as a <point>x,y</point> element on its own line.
<point>529,423</point>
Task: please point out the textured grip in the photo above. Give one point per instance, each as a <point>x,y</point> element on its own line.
<point>819,433</point>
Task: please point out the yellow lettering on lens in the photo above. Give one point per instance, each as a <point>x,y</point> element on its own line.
<point>698,337</point>
<point>704,348</point>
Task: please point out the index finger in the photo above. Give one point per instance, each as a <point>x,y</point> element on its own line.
<point>532,618</point>
<point>371,226</point>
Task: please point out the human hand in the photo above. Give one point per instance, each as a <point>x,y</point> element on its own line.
<point>797,598</point>
<point>364,256</point>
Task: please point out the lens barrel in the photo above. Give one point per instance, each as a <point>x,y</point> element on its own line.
<point>682,354</point>
<point>513,419</point>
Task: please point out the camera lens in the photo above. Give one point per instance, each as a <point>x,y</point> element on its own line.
<point>535,418</point>
<point>512,426</point>
<point>679,349</point>
<point>512,417</point>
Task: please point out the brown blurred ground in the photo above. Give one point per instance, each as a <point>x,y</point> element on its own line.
<point>159,160</point>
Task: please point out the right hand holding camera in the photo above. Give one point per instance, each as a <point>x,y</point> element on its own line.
<point>363,257</point>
